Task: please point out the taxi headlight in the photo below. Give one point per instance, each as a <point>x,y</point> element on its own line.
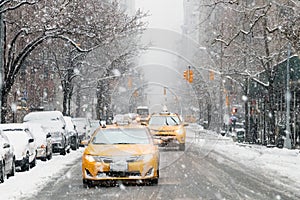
<point>146,157</point>
<point>102,159</point>
<point>89,158</point>
<point>180,131</point>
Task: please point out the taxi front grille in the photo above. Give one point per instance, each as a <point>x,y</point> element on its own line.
<point>128,159</point>
<point>161,131</point>
<point>119,174</point>
<point>165,134</point>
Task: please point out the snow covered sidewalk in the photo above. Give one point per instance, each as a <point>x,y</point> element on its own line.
<point>25,184</point>
<point>282,165</point>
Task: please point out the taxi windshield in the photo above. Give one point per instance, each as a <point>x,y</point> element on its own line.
<point>121,136</point>
<point>164,120</point>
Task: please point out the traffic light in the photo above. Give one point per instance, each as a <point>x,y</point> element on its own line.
<point>191,76</point>
<point>129,82</point>
<point>211,75</point>
<point>185,75</point>
<point>227,101</point>
<point>136,94</point>
<point>234,110</point>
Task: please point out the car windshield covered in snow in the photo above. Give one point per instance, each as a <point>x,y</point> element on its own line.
<point>121,136</point>
<point>56,135</point>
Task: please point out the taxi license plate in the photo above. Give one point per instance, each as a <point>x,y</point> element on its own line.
<point>119,167</point>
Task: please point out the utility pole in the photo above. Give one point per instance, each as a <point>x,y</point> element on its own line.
<point>287,141</point>
<point>221,89</point>
<point>1,62</point>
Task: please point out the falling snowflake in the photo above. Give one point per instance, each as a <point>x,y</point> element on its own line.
<point>122,187</point>
<point>244,98</point>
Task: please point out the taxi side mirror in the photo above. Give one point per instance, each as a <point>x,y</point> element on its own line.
<point>144,123</point>
<point>6,145</point>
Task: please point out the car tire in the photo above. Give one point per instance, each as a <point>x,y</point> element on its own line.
<point>154,181</point>
<point>33,163</point>
<point>74,147</point>
<point>44,159</point>
<point>26,166</point>
<point>182,146</point>
<point>2,175</point>
<point>49,157</point>
<point>86,183</point>
<point>63,152</point>
<point>74,144</point>
<point>13,169</point>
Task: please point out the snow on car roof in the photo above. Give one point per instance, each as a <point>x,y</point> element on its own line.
<point>13,126</point>
<point>69,123</point>
<point>37,130</point>
<point>42,115</point>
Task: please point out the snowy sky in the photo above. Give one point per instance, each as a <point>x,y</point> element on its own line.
<point>166,14</point>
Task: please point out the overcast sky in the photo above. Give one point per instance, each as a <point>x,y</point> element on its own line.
<point>166,14</point>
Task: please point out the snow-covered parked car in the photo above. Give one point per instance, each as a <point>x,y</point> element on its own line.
<point>239,131</point>
<point>82,127</point>
<point>73,135</point>
<point>43,140</point>
<point>54,123</point>
<point>7,158</point>
<point>23,142</point>
<point>59,143</point>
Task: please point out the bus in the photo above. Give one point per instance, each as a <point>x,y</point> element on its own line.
<point>143,114</point>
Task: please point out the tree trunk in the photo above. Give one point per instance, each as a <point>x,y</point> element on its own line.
<point>65,99</point>
<point>78,100</point>
<point>4,107</point>
<point>6,88</point>
<point>69,102</point>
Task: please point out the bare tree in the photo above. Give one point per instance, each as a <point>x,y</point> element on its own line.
<point>253,42</point>
<point>84,25</point>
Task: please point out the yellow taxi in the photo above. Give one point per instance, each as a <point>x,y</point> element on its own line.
<point>120,153</point>
<point>168,128</point>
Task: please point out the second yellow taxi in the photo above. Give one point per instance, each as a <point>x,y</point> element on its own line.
<point>168,128</point>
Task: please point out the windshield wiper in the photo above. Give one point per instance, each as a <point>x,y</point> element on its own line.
<point>99,143</point>
<point>174,120</point>
<point>123,143</point>
<point>166,122</point>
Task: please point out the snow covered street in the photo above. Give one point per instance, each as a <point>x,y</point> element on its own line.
<point>281,165</point>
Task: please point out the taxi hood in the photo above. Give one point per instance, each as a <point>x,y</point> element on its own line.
<point>119,149</point>
<point>164,128</point>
